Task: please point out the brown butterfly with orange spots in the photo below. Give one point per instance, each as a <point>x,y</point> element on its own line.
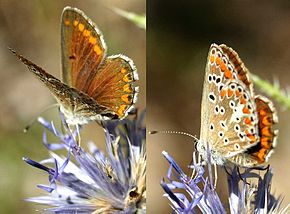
<point>94,87</point>
<point>237,126</point>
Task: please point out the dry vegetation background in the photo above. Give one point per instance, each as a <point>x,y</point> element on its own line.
<point>179,34</point>
<point>32,27</point>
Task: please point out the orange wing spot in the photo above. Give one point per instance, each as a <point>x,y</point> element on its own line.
<point>266,143</point>
<point>76,23</point>
<point>248,121</point>
<point>121,110</point>
<point>92,40</point>
<point>223,66</point>
<point>246,110</point>
<point>228,74</point>
<point>242,100</point>
<point>252,138</point>
<point>230,92</point>
<point>127,98</point>
<point>223,93</point>
<point>123,70</point>
<point>128,78</point>
<point>127,88</point>
<point>266,132</point>
<point>261,155</point>
<point>262,112</point>
<point>67,22</point>
<point>97,49</point>
<point>266,121</point>
<point>81,27</point>
<point>238,93</point>
<point>86,33</point>
<point>211,58</point>
<point>218,61</point>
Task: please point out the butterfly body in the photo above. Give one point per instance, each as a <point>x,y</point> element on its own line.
<point>94,87</point>
<point>236,125</point>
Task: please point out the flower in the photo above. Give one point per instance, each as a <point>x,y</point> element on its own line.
<point>96,183</point>
<point>196,193</point>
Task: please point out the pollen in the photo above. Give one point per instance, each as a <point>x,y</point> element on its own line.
<point>97,49</point>
<point>93,40</point>
<point>81,27</point>
<point>127,98</point>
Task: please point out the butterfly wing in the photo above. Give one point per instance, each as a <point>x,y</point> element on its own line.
<point>77,106</point>
<point>228,113</point>
<point>258,154</point>
<point>83,48</point>
<point>113,85</point>
<point>109,81</point>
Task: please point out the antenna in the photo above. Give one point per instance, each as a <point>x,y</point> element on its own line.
<point>175,132</point>
<point>34,119</point>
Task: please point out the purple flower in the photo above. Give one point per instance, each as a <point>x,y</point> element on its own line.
<point>92,182</point>
<point>249,192</point>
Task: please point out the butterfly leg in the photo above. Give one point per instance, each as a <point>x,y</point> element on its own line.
<point>215,175</point>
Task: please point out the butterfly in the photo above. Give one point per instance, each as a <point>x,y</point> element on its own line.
<point>94,87</point>
<point>236,124</point>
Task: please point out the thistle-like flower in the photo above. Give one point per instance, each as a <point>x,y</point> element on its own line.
<point>91,182</point>
<point>196,193</point>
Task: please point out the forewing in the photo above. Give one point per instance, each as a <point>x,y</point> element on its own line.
<point>113,85</point>
<point>83,48</point>
<point>228,111</point>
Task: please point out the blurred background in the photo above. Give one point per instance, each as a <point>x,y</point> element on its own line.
<point>32,28</point>
<point>179,35</point>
